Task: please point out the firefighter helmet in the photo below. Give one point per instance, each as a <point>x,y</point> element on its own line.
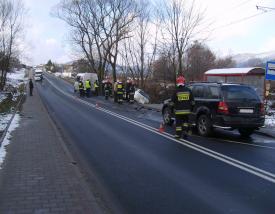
<point>180,81</point>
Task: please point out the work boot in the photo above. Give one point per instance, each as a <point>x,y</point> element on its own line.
<point>177,136</point>
<point>184,136</point>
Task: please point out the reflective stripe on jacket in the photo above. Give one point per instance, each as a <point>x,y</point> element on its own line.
<point>119,86</point>
<point>183,100</point>
<point>182,112</point>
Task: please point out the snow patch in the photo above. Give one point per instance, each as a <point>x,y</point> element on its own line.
<point>270,119</point>
<point>4,120</point>
<point>230,71</point>
<point>2,97</point>
<point>14,124</point>
<point>17,77</point>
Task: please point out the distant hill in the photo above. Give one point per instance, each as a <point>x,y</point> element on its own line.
<point>250,59</point>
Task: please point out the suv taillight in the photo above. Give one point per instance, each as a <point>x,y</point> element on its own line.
<point>262,109</point>
<point>223,108</point>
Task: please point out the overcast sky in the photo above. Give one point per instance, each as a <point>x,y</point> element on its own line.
<point>46,36</point>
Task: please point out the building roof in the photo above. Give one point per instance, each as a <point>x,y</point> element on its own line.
<point>235,71</point>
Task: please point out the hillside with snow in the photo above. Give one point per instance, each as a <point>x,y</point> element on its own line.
<point>250,59</point>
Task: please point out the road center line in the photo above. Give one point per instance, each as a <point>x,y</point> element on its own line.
<point>216,155</point>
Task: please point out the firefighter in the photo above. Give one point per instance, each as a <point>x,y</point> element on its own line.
<point>119,92</point>
<point>81,88</point>
<point>88,87</point>
<point>131,92</point>
<point>127,88</point>
<point>96,86</point>
<point>107,89</point>
<point>183,101</point>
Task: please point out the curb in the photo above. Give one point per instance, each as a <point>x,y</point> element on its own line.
<point>264,134</point>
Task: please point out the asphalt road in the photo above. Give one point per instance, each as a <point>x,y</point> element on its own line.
<point>143,171</point>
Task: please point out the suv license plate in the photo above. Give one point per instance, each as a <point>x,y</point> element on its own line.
<point>247,111</point>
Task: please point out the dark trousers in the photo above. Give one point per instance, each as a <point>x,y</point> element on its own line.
<point>106,94</point>
<point>127,96</point>
<point>96,91</point>
<point>131,97</point>
<point>81,92</point>
<point>119,97</point>
<point>115,97</point>
<point>88,92</point>
<point>182,124</point>
<point>31,89</point>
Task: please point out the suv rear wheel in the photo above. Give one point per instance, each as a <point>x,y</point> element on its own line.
<point>167,116</point>
<point>204,125</point>
<point>246,132</point>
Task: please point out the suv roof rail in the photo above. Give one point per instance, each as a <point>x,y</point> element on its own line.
<point>205,82</point>
<point>236,83</point>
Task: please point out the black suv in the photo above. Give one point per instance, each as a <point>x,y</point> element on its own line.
<point>222,105</point>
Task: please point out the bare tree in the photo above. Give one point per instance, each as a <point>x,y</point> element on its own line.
<point>97,28</point>
<point>11,25</point>
<point>123,14</point>
<point>199,59</point>
<point>140,49</point>
<point>182,23</point>
<point>226,62</point>
<point>83,17</point>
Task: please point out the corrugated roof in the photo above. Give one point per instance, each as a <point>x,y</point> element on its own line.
<point>228,71</point>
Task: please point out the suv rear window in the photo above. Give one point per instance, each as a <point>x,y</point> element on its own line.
<point>239,92</point>
<point>214,92</point>
<point>198,91</point>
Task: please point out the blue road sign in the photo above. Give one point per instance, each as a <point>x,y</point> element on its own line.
<point>270,71</point>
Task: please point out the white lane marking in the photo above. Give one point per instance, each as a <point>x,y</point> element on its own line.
<point>226,159</point>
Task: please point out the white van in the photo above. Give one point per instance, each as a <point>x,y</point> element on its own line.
<point>85,76</point>
<point>38,75</point>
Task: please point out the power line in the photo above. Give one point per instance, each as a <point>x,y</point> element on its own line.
<point>228,10</point>
<point>240,20</point>
<point>240,4</point>
<point>264,8</point>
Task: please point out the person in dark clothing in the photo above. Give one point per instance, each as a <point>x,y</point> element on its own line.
<point>81,89</point>
<point>183,102</point>
<point>127,88</point>
<point>31,86</point>
<point>132,92</point>
<point>107,89</point>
